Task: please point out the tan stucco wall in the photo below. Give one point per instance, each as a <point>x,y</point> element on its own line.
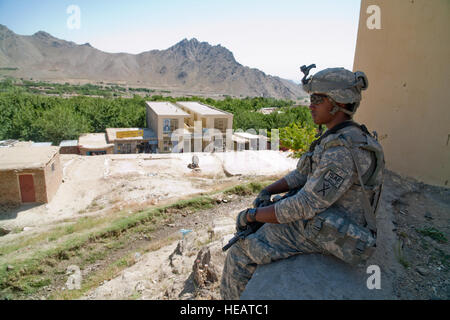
<point>407,102</point>
<point>53,178</point>
<point>152,120</point>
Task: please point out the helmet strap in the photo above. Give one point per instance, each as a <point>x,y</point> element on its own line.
<point>336,108</point>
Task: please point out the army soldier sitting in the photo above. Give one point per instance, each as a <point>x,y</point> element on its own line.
<point>339,185</point>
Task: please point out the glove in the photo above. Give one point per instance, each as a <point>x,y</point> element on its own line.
<point>241,220</point>
<point>263,199</point>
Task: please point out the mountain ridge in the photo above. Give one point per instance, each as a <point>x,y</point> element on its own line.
<point>189,66</point>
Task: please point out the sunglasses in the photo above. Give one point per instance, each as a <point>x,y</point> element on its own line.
<point>317,98</point>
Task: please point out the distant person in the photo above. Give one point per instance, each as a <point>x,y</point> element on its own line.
<point>326,202</point>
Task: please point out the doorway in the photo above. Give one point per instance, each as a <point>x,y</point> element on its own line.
<point>27,191</point>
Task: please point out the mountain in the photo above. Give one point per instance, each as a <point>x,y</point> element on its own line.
<point>188,66</point>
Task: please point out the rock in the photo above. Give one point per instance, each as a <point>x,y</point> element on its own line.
<point>137,256</point>
<point>312,276</point>
<point>27,228</point>
<point>208,265</point>
<point>422,271</point>
<point>4,231</point>
<point>428,216</point>
<point>9,268</point>
<point>140,286</point>
<point>202,270</point>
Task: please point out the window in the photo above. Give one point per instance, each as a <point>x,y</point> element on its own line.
<point>170,125</point>
<point>124,148</point>
<point>220,124</point>
<point>167,145</point>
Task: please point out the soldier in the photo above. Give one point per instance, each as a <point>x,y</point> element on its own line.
<point>331,176</point>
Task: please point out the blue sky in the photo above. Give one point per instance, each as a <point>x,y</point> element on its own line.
<point>275,36</point>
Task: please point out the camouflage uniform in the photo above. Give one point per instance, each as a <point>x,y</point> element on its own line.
<point>328,178</point>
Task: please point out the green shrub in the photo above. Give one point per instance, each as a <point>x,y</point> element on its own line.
<point>297,137</point>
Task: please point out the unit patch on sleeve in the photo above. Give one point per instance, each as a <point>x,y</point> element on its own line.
<point>333,178</point>
<point>329,183</point>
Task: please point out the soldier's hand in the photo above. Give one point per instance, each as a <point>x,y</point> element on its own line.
<point>241,220</point>
<point>263,199</point>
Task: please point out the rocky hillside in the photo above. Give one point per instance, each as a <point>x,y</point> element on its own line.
<point>189,66</point>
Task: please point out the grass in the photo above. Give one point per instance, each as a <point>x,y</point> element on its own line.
<point>433,234</point>
<point>400,255</point>
<point>246,189</point>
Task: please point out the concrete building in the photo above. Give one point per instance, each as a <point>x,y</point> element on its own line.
<point>29,174</point>
<point>94,144</point>
<point>132,140</point>
<point>403,47</point>
<point>209,116</point>
<point>249,141</point>
<point>163,118</point>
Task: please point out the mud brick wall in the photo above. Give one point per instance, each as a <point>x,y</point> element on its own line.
<point>10,188</point>
<point>53,176</point>
<point>69,150</point>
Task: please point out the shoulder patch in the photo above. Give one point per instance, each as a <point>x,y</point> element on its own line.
<point>333,178</point>
<point>329,183</point>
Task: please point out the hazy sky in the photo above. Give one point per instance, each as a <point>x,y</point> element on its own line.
<point>276,36</point>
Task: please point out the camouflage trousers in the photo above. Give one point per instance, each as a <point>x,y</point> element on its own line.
<point>270,243</point>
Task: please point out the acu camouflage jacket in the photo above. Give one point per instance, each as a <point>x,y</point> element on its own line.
<point>329,178</point>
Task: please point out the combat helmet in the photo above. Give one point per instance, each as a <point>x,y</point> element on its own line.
<point>341,85</point>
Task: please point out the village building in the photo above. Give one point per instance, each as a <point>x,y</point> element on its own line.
<point>406,62</point>
<point>132,140</point>
<point>166,117</point>
<point>163,118</point>
<point>210,118</point>
<point>29,174</point>
<point>91,144</point>
<point>69,147</point>
<point>41,144</point>
<point>267,110</point>
<point>249,141</point>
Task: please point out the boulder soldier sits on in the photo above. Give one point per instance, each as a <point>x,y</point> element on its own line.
<point>333,192</point>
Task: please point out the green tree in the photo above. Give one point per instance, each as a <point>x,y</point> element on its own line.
<point>60,123</point>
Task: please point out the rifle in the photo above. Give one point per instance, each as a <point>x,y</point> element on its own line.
<point>251,228</point>
<point>254,226</point>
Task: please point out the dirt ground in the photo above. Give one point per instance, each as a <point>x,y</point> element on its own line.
<point>92,185</point>
<point>413,225</point>
<point>413,251</point>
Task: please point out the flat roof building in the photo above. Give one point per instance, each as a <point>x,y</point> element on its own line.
<point>209,116</point>
<point>29,174</point>
<point>166,117</point>
<point>94,144</point>
<point>69,147</point>
<point>163,118</point>
<point>132,140</point>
